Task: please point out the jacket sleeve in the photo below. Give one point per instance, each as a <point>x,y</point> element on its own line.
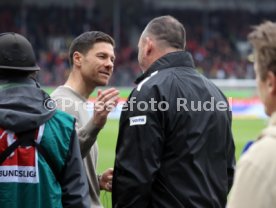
<point>138,153</point>
<point>87,136</point>
<point>73,180</point>
<point>231,163</point>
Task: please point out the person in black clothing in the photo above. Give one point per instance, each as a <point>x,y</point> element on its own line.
<point>175,146</point>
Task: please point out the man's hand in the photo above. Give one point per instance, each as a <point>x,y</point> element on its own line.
<point>105,180</point>
<point>105,102</point>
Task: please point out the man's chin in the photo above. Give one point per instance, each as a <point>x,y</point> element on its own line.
<point>102,83</point>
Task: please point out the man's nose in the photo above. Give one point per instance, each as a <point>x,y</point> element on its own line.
<point>109,63</point>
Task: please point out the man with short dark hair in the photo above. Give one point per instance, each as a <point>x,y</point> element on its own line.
<point>91,56</point>
<point>40,160</point>
<point>175,146</point>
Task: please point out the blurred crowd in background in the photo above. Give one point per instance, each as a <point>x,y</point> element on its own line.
<point>217,39</point>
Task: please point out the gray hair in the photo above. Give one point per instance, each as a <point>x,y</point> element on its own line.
<point>167,30</point>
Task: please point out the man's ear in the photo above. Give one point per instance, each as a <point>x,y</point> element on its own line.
<point>149,46</point>
<point>271,82</point>
<point>77,57</point>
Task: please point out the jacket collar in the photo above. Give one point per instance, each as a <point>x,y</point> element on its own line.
<point>173,59</point>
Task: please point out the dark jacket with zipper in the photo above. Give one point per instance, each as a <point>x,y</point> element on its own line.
<point>59,180</point>
<point>175,147</point>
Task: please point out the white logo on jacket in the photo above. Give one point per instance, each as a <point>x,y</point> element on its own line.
<point>21,166</point>
<point>137,120</point>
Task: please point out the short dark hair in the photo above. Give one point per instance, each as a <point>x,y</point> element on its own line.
<point>84,42</point>
<point>169,30</point>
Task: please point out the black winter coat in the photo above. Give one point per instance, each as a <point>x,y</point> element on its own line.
<point>178,152</point>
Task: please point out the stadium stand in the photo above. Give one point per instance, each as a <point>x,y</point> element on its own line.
<point>217,36</point>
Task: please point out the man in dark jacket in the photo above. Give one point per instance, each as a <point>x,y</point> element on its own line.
<point>175,147</point>
<point>40,160</point>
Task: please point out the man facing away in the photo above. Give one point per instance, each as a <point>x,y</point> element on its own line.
<point>254,185</point>
<point>175,146</point>
<point>91,56</point>
<point>40,160</point>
